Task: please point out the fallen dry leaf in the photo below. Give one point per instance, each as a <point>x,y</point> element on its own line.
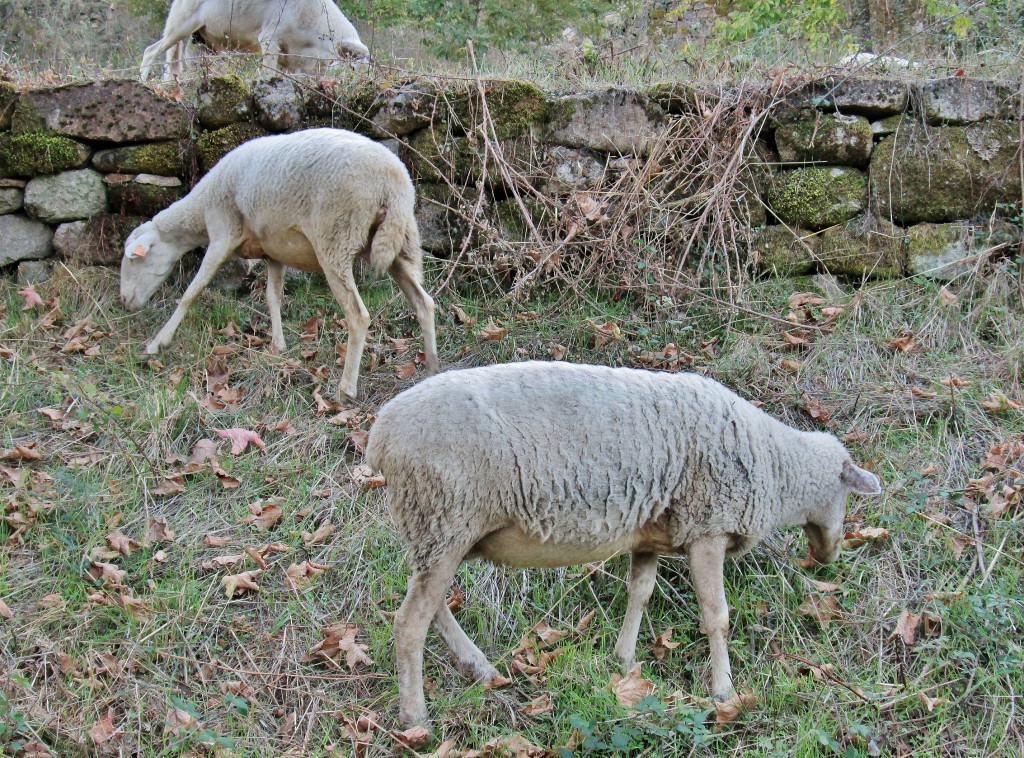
<point>803,299</point>
<point>997,402</point>
<point>319,536</point>
<point>605,333</point>
<point>857,537</point>
<point>791,366</point>
<point>170,485</point>
<point>662,644</point>
<point>237,584</point>
<point>108,573</point>
<point>299,576</point>
<point>584,622</point>
<point>538,707</point>
<point>221,561</point>
<point>514,745</point>
<point>931,703</point>
<point>728,710</point>
<point>121,543</point>
<point>952,381</point>
<point>823,608</point>
<point>210,541</point>
<point>492,331</point>
<point>204,451</point>
<point>815,409</point>
<point>413,737</point>
<point>823,586</point>
<point>906,627</point>
<point>364,478</point>
<point>904,343</point>
<point>103,731</point>
<point>264,515</point>
<point>405,371</point>
<point>180,722</point>
<point>5,611</point>
<point>31,297</point>
<point>27,452</point>
<point>240,439</point>
<point>157,531</point>
<point>359,438</point>
<point>461,317</point>
<point>556,351</point>
<point>338,639</point>
<point>631,688</point>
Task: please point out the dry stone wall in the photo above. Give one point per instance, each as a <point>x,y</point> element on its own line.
<point>857,177</point>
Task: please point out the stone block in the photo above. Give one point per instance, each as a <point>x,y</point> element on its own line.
<point>817,197</point>
<point>98,241</point>
<point>223,100</point>
<point>279,104</point>
<point>171,158</point>
<point>946,251</point>
<point>615,120</point>
<point>37,154</point>
<point>837,140</point>
<point>960,100</point>
<point>23,238</point>
<point>68,196</point>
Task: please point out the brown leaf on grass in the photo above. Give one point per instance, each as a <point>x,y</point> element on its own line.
<point>237,584</point>
<point>340,639</point>
<point>958,543</point>
<point>103,731</point>
<point>264,515</point>
<point>946,598</point>
<point>240,439</point>
<point>413,737</point>
<point>510,746</point>
<point>997,402</point>
<point>299,576</point>
<point>121,543</point>
<point>584,623</point>
<point>180,722</point>
<point>31,298</point>
<point>556,351</point>
<point>492,331</point>
<point>171,485</point>
<point>803,299</point>
<point>728,710</point>
<point>287,725</point>
<point>904,343</point>
<point>319,536</point>
<point>52,600</point>
<point>204,451</point>
<point>947,297</point>
<point>310,329</point>
<point>858,536</point>
<point>931,703</point>
<point>54,414</point>
<point>158,531</point>
<point>604,333</point>
<point>545,636</point>
<point>823,586</point>
<point>447,749</point>
<point>405,371</point>
<point>236,687</point>
<point>461,317</point>
<point>823,608</point>
<point>662,644</point>
<point>221,561</point>
<point>496,682</point>
<point>364,478</point>
<point>631,688</point>
<point>211,541</point>
<point>538,707</point>
<point>791,366</point>
<point>530,662</point>
<point>322,406</point>
<point>108,573</point>
<point>795,338</point>
<point>815,409</point>
<point>27,452</point>
<point>931,625</point>
<point>345,417</point>
<point>5,611</point>
<point>359,438</point>
<point>906,627</point>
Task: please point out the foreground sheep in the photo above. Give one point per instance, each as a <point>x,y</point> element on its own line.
<point>551,464</point>
<point>312,200</point>
<point>293,35</point>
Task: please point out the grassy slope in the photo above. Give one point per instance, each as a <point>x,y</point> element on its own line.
<point>123,421</point>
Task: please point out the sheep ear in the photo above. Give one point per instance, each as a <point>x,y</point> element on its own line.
<point>860,480</point>
<point>138,248</point>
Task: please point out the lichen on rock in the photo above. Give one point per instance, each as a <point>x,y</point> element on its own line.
<point>817,197</point>
<point>834,139</point>
<point>212,146</point>
<point>38,153</point>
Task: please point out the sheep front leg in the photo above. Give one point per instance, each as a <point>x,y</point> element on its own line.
<point>343,286</point>
<point>275,286</point>
<point>423,599</point>
<point>422,304</point>
<point>707,558</point>
<point>218,252</point>
<point>469,659</point>
<point>643,573</point>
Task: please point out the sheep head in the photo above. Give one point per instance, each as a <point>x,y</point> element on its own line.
<point>148,260</point>
<point>825,524</point>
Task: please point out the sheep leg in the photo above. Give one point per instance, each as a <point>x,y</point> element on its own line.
<point>401,271</point>
<point>275,286</point>
<point>707,557</point>
<point>343,285</point>
<point>423,598</point>
<point>469,659</point>
<point>643,573</point>
<point>219,251</point>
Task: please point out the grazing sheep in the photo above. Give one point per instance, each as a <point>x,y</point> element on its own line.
<point>312,200</point>
<point>304,33</point>
<point>552,464</point>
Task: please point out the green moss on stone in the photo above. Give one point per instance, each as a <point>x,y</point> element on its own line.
<point>8,100</point>
<point>37,154</point>
<point>783,251</point>
<point>864,247</point>
<point>26,119</point>
<point>944,251</point>
<point>161,158</point>
<point>516,107</point>
<point>817,197</point>
<point>142,199</point>
<point>839,140</point>
<point>223,100</point>
<point>212,146</point>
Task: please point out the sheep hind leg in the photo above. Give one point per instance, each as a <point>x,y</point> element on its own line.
<point>424,596</point>
<point>402,272</point>
<point>707,557</point>
<point>221,248</point>
<point>469,659</point>
<point>643,573</point>
<point>275,286</point>
<point>343,285</point>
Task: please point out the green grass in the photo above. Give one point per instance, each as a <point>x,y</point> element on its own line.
<point>125,420</point>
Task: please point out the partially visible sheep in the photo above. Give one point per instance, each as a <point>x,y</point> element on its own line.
<point>551,464</point>
<point>295,35</point>
<point>312,200</point>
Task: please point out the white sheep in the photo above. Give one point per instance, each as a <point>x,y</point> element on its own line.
<point>312,200</point>
<point>300,35</point>
<point>552,464</point>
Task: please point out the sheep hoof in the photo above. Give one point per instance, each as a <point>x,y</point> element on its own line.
<point>415,722</point>
<point>154,347</point>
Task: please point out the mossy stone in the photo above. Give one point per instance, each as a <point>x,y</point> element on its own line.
<point>460,160</point>
<point>38,154</point>
<point>864,247</point>
<point>783,251</point>
<point>817,197</point>
<point>162,158</point>
<point>515,107</point>
<point>827,138</point>
<point>945,251</point>
<point>212,146</point>
<point>946,173</point>
<point>682,98</point>
<point>8,100</point>
<point>441,218</point>
<point>223,100</point>
<point>142,198</point>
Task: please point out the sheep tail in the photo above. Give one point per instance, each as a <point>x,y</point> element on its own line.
<point>396,233</point>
